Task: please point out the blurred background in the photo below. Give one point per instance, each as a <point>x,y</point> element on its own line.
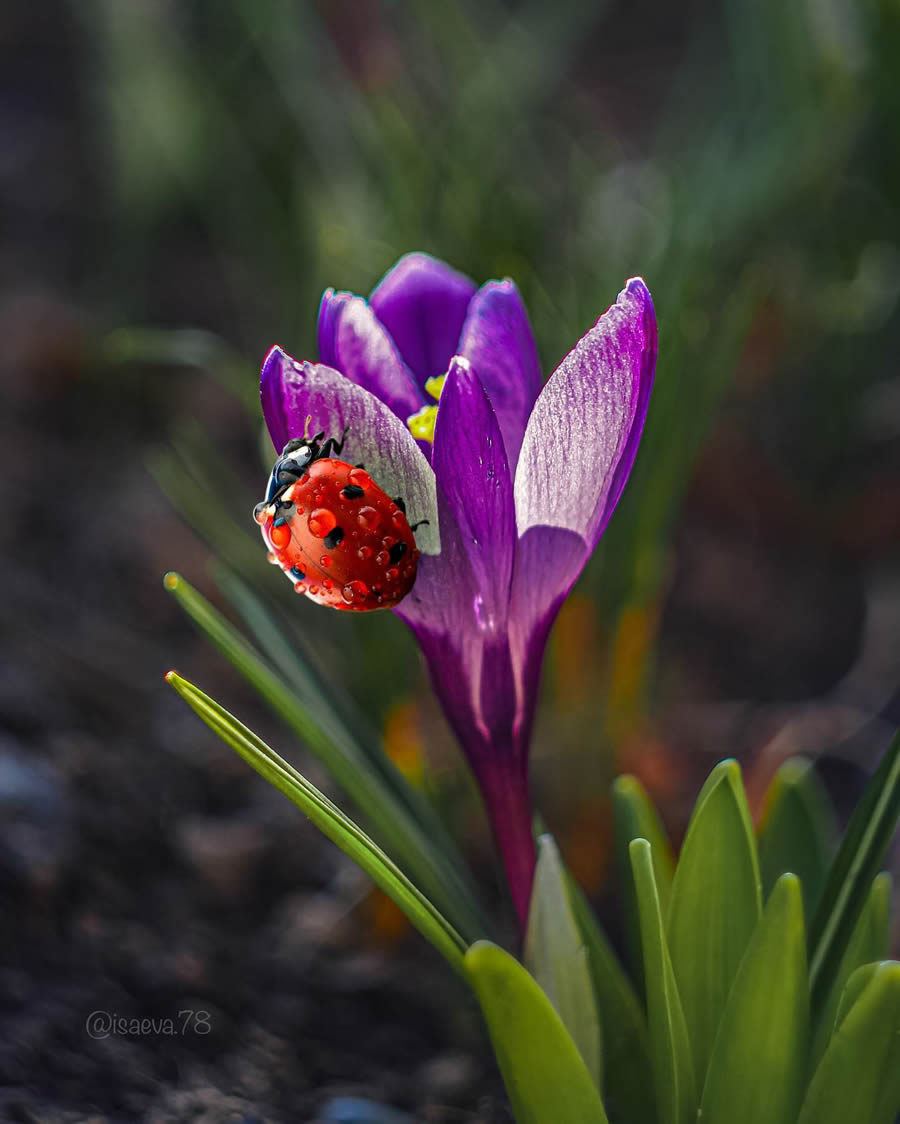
<point>179,180</point>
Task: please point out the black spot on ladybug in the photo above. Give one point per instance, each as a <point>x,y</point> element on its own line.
<point>280,521</point>
<point>297,574</point>
<point>353,492</point>
<point>401,504</point>
<point>334,538</point>
<point>397,551</point>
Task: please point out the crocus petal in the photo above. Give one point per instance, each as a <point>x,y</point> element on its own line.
<point>422,302</point>
<point>498,342</point>
<point>354,342</point>
<point>583,433</point>
<point>578,450</point>
<point>292,392</point>
<point>470,463</point>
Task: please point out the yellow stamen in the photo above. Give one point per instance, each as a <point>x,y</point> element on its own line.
<point>421,423</point>
<point>435,385</point>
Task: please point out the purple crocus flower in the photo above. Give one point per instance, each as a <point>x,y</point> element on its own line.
<point>517,482</point>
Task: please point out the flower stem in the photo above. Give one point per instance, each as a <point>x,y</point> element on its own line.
<point>508,804</point>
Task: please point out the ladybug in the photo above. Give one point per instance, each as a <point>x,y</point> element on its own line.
<point>337,535</point>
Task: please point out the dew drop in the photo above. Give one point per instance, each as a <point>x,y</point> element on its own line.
<point>280,535</point>
<point>364,553</point>
<point>382,558</point>
<point>271,559</point>
<point>392,574</point>
<point>259,513</point>
<point>354,591</point>
<point>368,518</point>
<point>321,521</point>
<point>314,590</point>
<point>399,520</point>
<point>299,587</point>
<point>327,583</point>
<point>325,560</point>
<point>359,477</point>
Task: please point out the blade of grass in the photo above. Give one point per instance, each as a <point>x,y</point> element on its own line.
<point>715,905</point>
<point>796,830</point>
<point>627,1072</point>
<point>858,1077</point>
<point>869,943</point>
<point>391,819</point>
<point>545,1077</point>
<point>670,1050</point>
<point>757,1070</point>
<point>556,956</point>
<point>330,820</point>
<point>851,874</point>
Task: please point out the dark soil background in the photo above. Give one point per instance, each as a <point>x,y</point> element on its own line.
<point>144,873</point>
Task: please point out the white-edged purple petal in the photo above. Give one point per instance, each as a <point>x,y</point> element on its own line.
<point>354,342</point>
<point>422,302</point>
<point>376,437</point>
<point>469,460</point>
<point>578,450</point>
<point>583,433</point>
<point>498,342</point>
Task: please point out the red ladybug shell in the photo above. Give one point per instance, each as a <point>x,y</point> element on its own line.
<point>344,542</point>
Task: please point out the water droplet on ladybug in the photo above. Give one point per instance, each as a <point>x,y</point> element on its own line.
<point>354,591</point>
<point>299,587</point>
<point>399,519</point>
<point>325,560</point>
<point>259,513</point>
<point>359,477</point>
<point>364,553</point>
<point>280,535</point>
<point>314,589</point>
<point>382,558</point>
<point>328,583</point>
<point>388,541</point>
<point>368,518</point>
<point>271,559</point>
<point>392,574</point>
<point>321,521</point>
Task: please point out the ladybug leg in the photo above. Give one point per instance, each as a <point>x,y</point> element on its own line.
<point>401,503</point>
<point>422,523</point>
<point>332,445</point>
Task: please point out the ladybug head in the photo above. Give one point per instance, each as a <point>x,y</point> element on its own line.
<point>290,466</point>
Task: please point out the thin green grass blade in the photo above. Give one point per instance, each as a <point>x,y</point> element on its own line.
<point>634,817</point>
<point>389,816</point>
<point>858,1078</point>
<point>757,1071</point>
<point>330,820</point>
<point>546,1080</point>
<point>869,943</point>
<point>797,830</point>
<point>627,1071</point>
<point>851,874</point>
<point>556,955</point>
<point>715,906</point>
<point>673,1067</point>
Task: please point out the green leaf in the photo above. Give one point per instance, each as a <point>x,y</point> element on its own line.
<point>757,1071</point>
<point>869,942</point>
<point>673,1068</point>
<point>797,830</point>
<point>852,871</point>
<point>546,1080</point>
<point>715,905</point>
<point>556,956</point>
<point>367,786</point>
<point>627,1072</point>
<point>330,820</point>
<point>858,1078</point>
<point>634,817</point>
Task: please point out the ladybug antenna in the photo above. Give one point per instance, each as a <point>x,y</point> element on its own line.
<point>306,427</point>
